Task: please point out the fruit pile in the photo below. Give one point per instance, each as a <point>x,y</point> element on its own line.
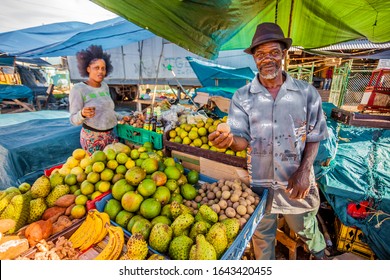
<point>136,120</point>
<point>196,135</point>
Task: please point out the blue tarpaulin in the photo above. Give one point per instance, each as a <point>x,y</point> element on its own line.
<point>211,75</point>
<point>28,39</point>
<point>67,38</point>
<point>28,148</point>
<point>15,92</point>
<point>360,171</point>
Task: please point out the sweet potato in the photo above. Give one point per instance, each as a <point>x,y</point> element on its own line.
<point>69,209</point>
<point>65,200</point>
<point>53,213</point>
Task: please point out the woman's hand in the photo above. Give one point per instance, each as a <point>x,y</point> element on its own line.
<point>88,112</point>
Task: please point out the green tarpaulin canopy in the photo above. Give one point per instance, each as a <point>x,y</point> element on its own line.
<point>206,26</point>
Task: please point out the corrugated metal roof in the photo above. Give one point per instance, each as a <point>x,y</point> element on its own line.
<point>361,44</point>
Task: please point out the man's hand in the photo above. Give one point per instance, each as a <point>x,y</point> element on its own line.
<point>221,140</point>
<point>299,184</point>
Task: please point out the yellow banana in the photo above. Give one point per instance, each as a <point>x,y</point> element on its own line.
<point>81,228</point>
<point>79,243</point>
<point>105,220</point>
<point>79,234</point>
<point>120,241</point>
<point>95,232</point>
<point>111,244</point>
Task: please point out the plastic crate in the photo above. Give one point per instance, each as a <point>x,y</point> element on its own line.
<point>91,204</point>
<point>237,248</point>
<point>48,171</point>
<point>140,136</point>
<point>349,239</point>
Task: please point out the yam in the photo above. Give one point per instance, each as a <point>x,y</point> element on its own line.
<point>53,213</point>
<point>65,200</point>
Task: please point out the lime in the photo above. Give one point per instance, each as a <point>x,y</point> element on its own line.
<point>188,191</point>
<point>112,208</point>
<point>81,199</point>
<point>193,177</point>
<point>70,179</point>
<point>78,211</point>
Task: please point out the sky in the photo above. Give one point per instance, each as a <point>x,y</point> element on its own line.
<point>19,14</point>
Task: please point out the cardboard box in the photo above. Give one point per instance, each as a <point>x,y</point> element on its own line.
<point>188,161</point>
<point>219,170</point>
<point>202,98</point>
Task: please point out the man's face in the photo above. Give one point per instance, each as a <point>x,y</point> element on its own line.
<point>268,58</point>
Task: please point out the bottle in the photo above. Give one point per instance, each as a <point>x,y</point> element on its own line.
<point>159,124</point>
<point>146,125</point>
<point>153,124</point>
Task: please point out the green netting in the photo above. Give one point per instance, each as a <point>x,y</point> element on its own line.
<point>205,27</point>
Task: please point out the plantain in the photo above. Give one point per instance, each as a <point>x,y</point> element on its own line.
<point>111,244</point>
<point>94,233</point>
<point>79,231</point>
<point>120,241</point>
<point>79,236</point>
<point>105,220</point>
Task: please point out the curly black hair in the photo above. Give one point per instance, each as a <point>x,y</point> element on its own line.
<point>85,57</point>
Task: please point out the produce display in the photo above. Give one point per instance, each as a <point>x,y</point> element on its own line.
<point>196,134</point>
<point>166,212</point>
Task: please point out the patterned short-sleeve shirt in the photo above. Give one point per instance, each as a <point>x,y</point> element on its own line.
<point>277,131</point>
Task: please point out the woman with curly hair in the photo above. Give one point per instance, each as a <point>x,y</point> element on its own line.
<point>90,103</point>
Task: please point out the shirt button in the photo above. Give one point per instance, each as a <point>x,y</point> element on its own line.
<point>276,168</point>
<point>275,121</point>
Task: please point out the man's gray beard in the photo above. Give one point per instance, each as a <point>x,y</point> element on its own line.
<point>272,75</point>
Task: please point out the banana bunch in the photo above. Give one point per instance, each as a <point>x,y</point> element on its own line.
<point>92,230</point>
<point>115,243</point>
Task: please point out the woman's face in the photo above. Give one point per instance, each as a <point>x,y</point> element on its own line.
<point>97,70</point>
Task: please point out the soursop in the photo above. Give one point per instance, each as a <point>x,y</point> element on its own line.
<point>156,257</point>
<point>179,248</point>
<point>5,201</point>
<point>56,179</point>
<point>160,237</point>
<point>37,208</point>
<point>175,209</point>
<point>182,224</point>
<point>217,237</point>
<point>41,187</point>
<point>232,227</point>
<point>137,248</point>
<point>200,227</point>
<point>202,250</point>
<point>56,193</point>
<point>208,214</point>
<point>18,210</point>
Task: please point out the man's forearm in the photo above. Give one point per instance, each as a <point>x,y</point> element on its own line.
<point>309,155</point>
<point>239,143</point>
